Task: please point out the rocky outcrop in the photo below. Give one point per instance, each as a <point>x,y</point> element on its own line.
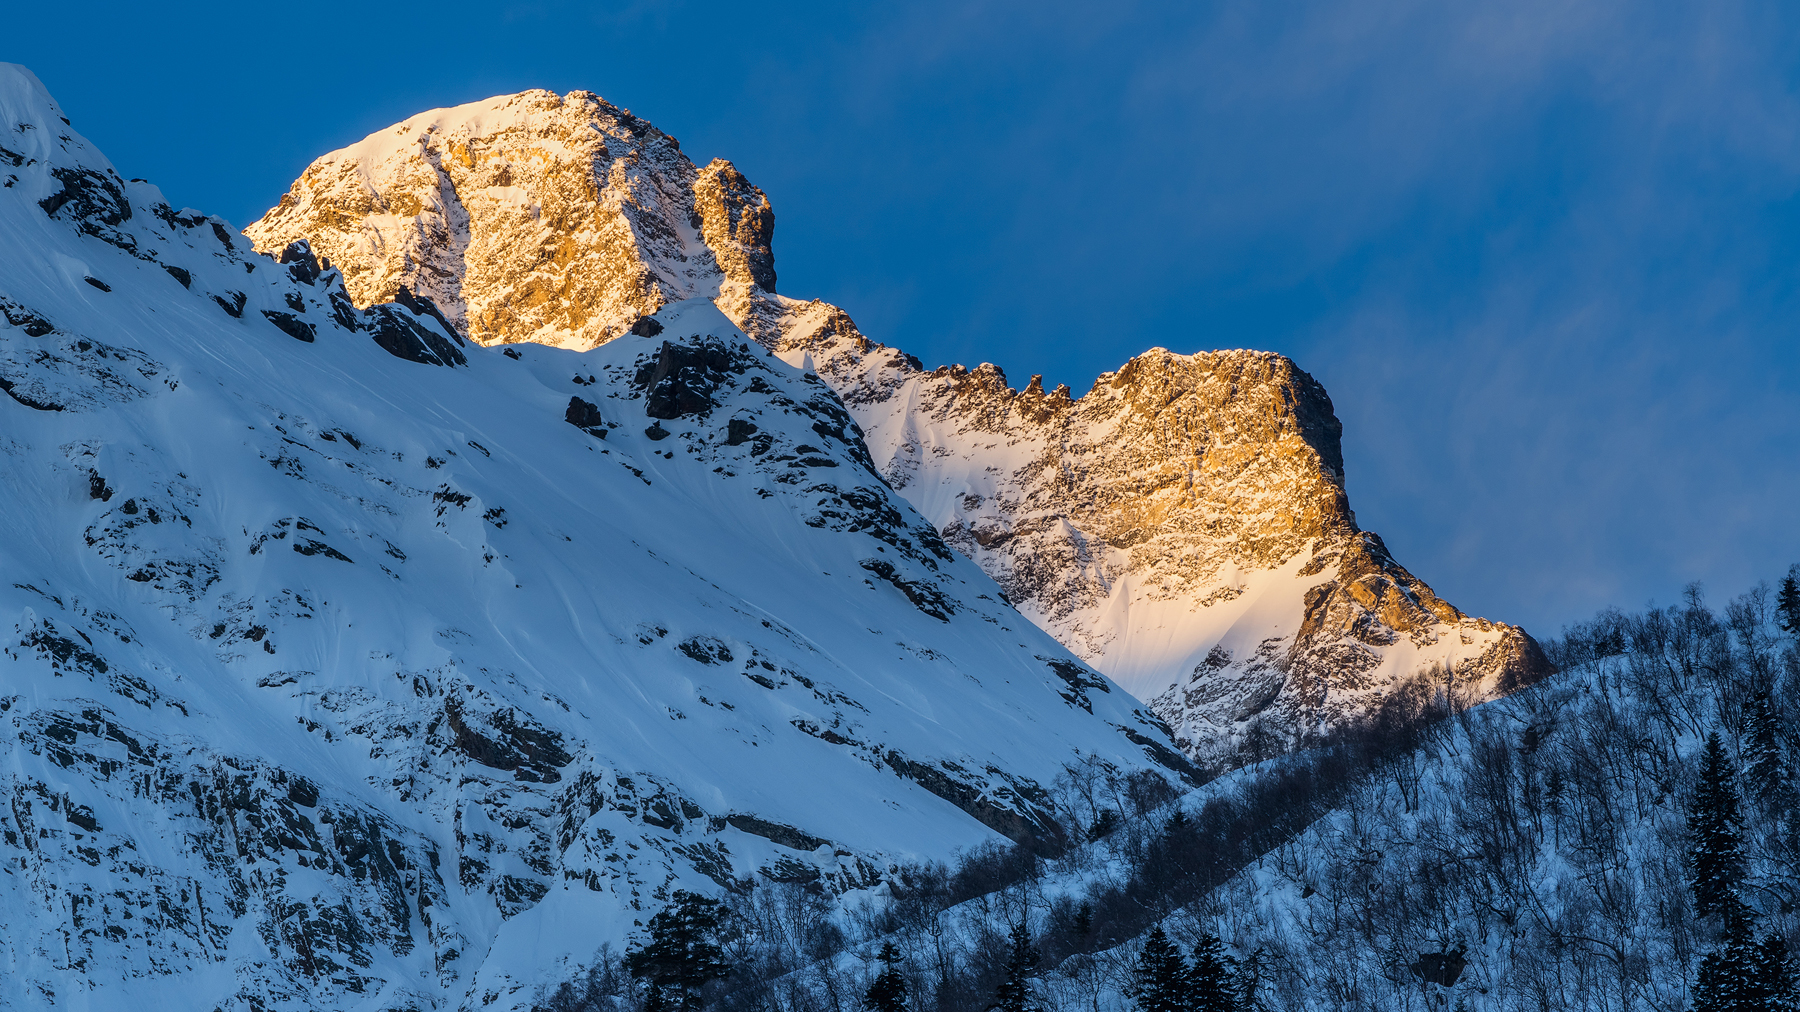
<point>1183,525</point>
<point>530,217</point>
<point>737,223</point>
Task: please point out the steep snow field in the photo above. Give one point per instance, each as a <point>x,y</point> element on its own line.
<point>348,665</point>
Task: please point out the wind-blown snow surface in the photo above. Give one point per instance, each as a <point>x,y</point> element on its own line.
<point>335,678</point>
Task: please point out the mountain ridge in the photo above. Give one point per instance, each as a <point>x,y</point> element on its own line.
<point>1188,584</point>
<point>351,665</point>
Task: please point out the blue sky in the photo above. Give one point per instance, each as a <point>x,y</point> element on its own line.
<point>1545,254</point>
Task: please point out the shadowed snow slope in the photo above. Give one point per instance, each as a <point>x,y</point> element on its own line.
<point>347,665</point>
<point>1183,526</point>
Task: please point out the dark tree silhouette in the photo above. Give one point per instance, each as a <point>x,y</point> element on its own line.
<point>1765,773</point>
<point>1787,602</point>
<point>1727,978</point>
<point>888,991</point>
<point>1014,992</point>
<point>1212,984</point>
<point>682,955</point>
<point>1773,971</point>
<point>1159,981</point>
<point>1715,832</point>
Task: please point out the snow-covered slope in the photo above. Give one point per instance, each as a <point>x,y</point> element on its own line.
<point>347,665</point>
<point>1183,526</point>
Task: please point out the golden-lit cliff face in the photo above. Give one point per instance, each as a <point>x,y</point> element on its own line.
<point>1183,525</point>
<point>529,217</point>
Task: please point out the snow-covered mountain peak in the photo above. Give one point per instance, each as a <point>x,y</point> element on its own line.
<point>1183,525</point>
<point>35,126</point>
<point>348,664</point>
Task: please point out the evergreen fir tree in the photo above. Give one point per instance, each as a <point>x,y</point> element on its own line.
<point>1787,603</point>
<point>888,992</point>
<point>1714,827</point>
<point>1212,984</point>
<point>1774,972</point>
<point>681,955</point>
<point>1762,753</point>
<point>1014,992</point>
<point>1159,982</point>
<point>1728,980</point>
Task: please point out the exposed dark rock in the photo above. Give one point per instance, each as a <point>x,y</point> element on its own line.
<point>423,306</point>
<point>175,219</point>
<point>506,740</point>
<point>1165,756</point>
<point>738,431</point>
<point>585,415</point>
<point>301,792</point>
<point>97,283</point>
<point>1032,829</point>
<point>82,816</point>
<point>924,597</point>
<point>683,377</point>
<point>791,871</point>
<point>1079,679</point>
<point>234,306</point>
<point>62,652</point>
<point>291,325</point>
<point>786,836</point>
<point>88,197</point>
<point>344,312</point>
<point>447,497</point>
<point>180,274</point>
<point>307,546</point>
<point>647,326</point>
<point>401,335</point>
<point>11,390</point>
<point>705,649</point>
<point>301,264</point>
<point>97,487</point>
<point>31,323</point>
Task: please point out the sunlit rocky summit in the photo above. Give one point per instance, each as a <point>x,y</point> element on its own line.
<point>1183,526</point>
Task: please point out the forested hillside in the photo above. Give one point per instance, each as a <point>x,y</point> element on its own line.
<point>1623,836</point>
